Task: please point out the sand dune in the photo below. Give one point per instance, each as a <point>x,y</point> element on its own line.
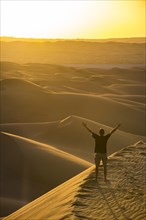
<point>29,169</point>
<point>41,105</point>
<point>28,163</point>
<point>58,89</point>
<point>134,89</point>
<point>42,110</point>
<point>73,52</point>
<point>70,136</point>
<point>122,197</point>
<point>136,102</point>
<point>105,66</point>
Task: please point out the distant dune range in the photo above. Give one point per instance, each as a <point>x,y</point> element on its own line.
<point>42,110</point>
<point>61,52</point>
<point>121,40</point>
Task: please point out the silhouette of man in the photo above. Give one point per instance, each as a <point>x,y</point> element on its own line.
<point>100,151</point>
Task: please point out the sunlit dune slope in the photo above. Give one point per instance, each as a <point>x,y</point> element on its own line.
<point>31,103</point>
<point>122,197</point>
<point>69,135</point>
<point>30,168</point>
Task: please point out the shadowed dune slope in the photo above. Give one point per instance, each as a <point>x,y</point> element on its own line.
<point>30,103</point>
<point>29,169</point>
<point>83,198</point>
<point>70,136</point>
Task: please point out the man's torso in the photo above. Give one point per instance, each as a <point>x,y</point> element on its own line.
<point>100,143</point>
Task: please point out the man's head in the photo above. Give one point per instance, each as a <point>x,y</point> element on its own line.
<point>101,131</point>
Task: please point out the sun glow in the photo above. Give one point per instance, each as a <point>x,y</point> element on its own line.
<point>73,19</point>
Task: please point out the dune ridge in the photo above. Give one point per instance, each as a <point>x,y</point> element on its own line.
<point>49,148</point>
<point>103,93</point>
<point>70,136</point>
<point>123,196</point>
<point>81,197</point>
<point>63,142</point>
<point>30,169</point>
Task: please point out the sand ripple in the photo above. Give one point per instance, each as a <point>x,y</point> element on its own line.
<point>122,197</point>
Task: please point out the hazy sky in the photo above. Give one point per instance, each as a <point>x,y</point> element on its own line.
<point>73,19</point>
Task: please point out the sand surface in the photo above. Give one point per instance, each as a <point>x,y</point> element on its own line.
<point>43,142</point>
<point>121,197</point>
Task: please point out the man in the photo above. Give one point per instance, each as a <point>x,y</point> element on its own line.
<point>100,148</point>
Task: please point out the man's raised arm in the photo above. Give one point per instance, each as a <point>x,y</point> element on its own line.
<point>115,128</point>
<point>87,128</point>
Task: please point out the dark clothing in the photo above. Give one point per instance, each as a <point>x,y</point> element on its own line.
<point>100,143</point>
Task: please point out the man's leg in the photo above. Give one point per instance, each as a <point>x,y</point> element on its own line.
<point>104,160</point>
<point>97,162</point>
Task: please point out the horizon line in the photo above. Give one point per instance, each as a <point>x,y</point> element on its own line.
<point>44,38</point>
